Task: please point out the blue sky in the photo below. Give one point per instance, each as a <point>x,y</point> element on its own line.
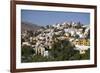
<point>52,17</point>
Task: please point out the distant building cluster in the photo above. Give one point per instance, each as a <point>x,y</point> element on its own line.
<point>41,40</point>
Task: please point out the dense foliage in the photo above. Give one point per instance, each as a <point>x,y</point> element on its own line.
<point>61,50</point>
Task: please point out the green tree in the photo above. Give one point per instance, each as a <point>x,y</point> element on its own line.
<point>27,53</point>
<point>62,50</point>
<point>79,56</point>
<point>86,55</point>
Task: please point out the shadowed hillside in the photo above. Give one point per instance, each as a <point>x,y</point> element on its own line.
<point>29,26</point>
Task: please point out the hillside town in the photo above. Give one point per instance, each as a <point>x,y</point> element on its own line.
<point>42,39</point>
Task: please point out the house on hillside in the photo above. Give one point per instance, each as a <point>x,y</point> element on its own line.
<point>82,45</point>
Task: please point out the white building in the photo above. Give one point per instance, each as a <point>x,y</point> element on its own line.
<point>81,48</point>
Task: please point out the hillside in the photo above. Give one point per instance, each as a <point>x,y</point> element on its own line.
<point>29,26</point>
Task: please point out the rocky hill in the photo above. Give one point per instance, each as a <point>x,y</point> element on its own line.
<point>29,26</point>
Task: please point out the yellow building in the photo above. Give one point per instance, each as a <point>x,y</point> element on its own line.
<point>82,45</point>
<point>85,42</point>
